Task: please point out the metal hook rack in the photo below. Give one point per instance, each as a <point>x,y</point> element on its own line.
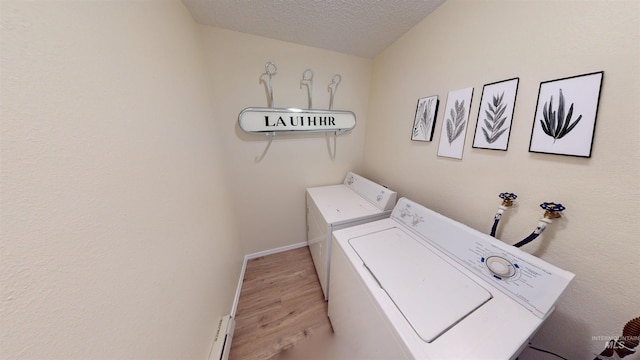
<point>273,120</point>
<point>270,120</point>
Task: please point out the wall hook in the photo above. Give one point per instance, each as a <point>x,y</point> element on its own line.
<point>335,81</point>
<point>270,69</point>
<point>307,80</point>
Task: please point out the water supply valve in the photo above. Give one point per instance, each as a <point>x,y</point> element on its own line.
<point>552,210</point>
<point>507,198</point>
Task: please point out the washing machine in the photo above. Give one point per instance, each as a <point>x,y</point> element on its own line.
<point>419,285</point>
<point>356,201</point>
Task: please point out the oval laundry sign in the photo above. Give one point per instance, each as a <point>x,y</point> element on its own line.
<point>267,120</point>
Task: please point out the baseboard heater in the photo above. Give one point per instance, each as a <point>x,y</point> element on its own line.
<point>222,340</point>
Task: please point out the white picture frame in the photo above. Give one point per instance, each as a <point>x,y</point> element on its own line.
<point>454,125</point>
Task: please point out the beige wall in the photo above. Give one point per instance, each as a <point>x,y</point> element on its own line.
<point>129,195</point>
<point>472,43</point>
<point>268,195</point>
<point>117,242</point>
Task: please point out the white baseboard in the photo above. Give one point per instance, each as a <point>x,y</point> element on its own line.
<point>234,307</point>
<point>254,256</point>
<point>275,251</point>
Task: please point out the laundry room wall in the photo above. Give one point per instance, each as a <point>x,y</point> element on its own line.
<point>269,199</point>
<point>472,43</point>
<point>116,239</point>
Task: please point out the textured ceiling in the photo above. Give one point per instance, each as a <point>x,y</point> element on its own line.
<point>358,27</point>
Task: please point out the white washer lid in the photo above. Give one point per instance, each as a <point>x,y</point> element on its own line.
<point>431,294</point>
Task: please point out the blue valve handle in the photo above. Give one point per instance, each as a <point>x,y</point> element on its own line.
<point>552,206</point>
<point>508,196</point>
<point>552,210</point>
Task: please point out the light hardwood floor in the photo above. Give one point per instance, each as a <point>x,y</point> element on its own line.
<point>281,305</point>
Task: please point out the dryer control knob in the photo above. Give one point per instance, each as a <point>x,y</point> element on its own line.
<point>379,197</point>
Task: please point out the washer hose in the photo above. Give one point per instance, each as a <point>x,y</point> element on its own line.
<point>507,200</point>
<point>552,211</point>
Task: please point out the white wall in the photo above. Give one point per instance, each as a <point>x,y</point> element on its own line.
<point>117,241</point>
<point>472,43</point>
<point>269,195</point>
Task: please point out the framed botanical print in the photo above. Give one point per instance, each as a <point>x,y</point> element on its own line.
<point>565,118</point>
<point>425,119</point>
<point>495,115</point>
<point>454,128</point>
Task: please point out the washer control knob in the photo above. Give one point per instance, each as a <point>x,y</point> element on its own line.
<point>403,213</point>
<point>415,220</point>
<point>500,266</point>
<point>379,197</point>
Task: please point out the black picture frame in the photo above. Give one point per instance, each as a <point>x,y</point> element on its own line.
<point>425,119</point>
<point>565,119</point>
<point>495,115</point>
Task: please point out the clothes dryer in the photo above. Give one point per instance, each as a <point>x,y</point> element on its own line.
<point>419,285</point>
<point>356,201</point>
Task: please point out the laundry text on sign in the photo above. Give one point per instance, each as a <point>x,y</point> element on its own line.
<point>272,120</point>
<point>300,121</point>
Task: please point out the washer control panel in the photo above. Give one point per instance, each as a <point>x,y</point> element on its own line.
<point>527,279</point>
